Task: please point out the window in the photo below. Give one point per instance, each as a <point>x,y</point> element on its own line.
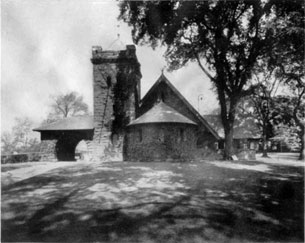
<point>245,145</point>
<point>140,135</point>
<point>161,135</point>
<point>221,144</point>
<point>238,144</point>
<point>181,136</point>
<point>201,141</point>
<point>252,145</point>
<point>115,140</point>
<point>162,97</point>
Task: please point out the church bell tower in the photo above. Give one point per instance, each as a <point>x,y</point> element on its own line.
<point>116,95</point>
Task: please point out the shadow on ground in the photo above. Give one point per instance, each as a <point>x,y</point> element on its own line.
<point>155,203</point>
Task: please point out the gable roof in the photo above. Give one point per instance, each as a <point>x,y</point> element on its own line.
<point>69,123</point>
<point>162,113</point>
<point>243,128</point>
<point>161,79</point>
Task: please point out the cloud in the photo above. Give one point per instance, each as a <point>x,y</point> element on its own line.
<point>46,50</point>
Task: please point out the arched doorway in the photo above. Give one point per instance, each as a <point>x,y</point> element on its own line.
<point>65,149</point>
<point>68,142</point>
<point>82,150</point>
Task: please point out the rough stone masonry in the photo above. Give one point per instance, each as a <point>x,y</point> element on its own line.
<point>116,94</point>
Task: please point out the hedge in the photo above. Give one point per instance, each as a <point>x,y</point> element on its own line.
<point>20,158</point>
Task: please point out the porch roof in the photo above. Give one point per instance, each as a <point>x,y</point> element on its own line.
<point>161,113</point>
<point>69,123</point>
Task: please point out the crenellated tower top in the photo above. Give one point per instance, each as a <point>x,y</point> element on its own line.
<point>114,56</point>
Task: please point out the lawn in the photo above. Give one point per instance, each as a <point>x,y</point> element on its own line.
<point>157,202</point>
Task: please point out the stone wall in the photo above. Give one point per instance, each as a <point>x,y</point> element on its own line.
<point>116,81</point>
<point>48,150</point>
<point>56,145</point>
<point>160,142</point>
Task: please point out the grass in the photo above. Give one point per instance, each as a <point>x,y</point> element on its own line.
<point>156,202</point>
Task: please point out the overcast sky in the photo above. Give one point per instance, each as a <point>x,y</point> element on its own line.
<point>46,50</point>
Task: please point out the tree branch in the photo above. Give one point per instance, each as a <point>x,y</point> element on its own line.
<point>203,69</point>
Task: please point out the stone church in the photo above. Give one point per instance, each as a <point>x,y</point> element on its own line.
<point>162,126</point>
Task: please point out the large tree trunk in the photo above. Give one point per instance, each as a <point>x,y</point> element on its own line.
<point>228,117</point>
<point>300,124</point>
<point>265,148</point>
<point>302,138</point>
<point>265,154</point>
<point>228,148</point>
<point>302,152</point>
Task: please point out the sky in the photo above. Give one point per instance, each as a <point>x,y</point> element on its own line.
<point>46,50</point>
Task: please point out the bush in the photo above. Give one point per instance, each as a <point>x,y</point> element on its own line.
<point>34,157</point>
<point>18,158</point>
<point>14,158</point>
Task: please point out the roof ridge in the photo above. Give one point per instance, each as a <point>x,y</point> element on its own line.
<point>163,78</point>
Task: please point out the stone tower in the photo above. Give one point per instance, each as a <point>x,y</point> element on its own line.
<point>116,95</point>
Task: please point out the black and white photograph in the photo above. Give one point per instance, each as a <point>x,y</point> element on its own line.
<point>152,121</point>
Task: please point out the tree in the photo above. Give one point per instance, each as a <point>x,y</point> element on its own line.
<point>225,38</point>
<point>259,106</point>
<point>70,104</point>
<point>288,55</point>
<point>21,131</point>
<point>8,143</point>
<point>299,114</point>
<point>267,83</point>
<point>19,139</point>
<point>287,137</point>
<point>290,112</point>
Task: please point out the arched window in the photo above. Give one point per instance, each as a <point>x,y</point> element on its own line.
<point>181,136</point>
<point>115,140</point>
<point>161,135</point>
<point>162,97</point>
<point>108,81</point>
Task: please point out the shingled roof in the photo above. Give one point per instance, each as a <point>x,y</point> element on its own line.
<point>69,123</point>
<point>164,79</point>
<point>162,113</point>
<point>243,128</point>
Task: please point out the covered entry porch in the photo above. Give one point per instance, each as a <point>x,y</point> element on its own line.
<point>59,139</point>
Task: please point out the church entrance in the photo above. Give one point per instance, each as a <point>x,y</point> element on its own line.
<point>65,149</point>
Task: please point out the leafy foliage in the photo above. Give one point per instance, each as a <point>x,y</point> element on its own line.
<point>225,38</point>
<point>291,112</point>
<point>20,138</point>
<point>288,135</point>
<point>275,117</point>
<point>288,29</point>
